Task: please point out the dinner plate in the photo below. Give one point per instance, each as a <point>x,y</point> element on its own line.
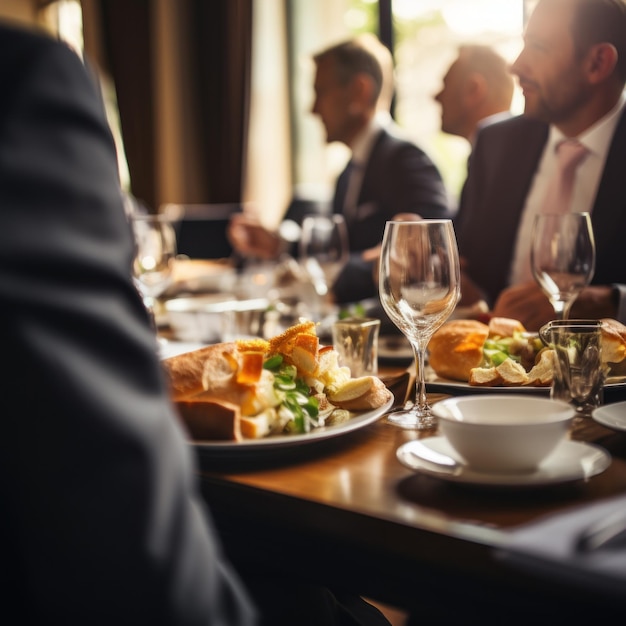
<point>437,384</point>
<point>275,442</point>
<point>611,415</point>
<point>444,385</point>
<point>570,461</point>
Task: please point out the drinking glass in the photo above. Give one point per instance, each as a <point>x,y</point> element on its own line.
<point>324,249</point>
<point>562,257</point>
<point>419,284</point>
<point>155,252</point>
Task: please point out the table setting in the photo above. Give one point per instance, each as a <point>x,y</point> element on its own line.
<point>406,513</point>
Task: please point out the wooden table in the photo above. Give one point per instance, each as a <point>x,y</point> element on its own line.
<point>345,512</point>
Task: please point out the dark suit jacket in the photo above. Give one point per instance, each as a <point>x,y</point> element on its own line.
<point>399,177</point>
<point>502,167</point>
<point>101,519</point>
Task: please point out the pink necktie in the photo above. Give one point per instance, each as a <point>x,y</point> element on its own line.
<point>570,154</point>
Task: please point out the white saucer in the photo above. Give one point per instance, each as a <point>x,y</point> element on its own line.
<point>570,461</point>
<point>611,415</point>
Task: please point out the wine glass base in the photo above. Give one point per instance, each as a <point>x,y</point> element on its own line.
<point>412,419</point>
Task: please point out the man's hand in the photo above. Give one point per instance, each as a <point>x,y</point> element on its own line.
<point>526,303</point>
<point>250,238</point>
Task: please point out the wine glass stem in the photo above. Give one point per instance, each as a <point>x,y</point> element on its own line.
<point>420,381</point>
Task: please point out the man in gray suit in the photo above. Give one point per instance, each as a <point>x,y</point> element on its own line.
<point>572,70</point>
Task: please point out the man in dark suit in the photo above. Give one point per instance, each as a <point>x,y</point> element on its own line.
<point>572,70</point>
<point>102,522</point>
<point>387,174</point>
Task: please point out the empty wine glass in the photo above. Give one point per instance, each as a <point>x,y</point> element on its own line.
<point>155,252</point>
<point>419,284</point>
<point>562,257</point>
<point>324,249</point>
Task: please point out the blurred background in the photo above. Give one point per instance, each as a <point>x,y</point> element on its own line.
<point>210,100</point>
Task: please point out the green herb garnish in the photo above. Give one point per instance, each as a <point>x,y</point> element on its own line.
<point>295,393</point>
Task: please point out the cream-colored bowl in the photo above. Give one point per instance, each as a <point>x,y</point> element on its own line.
<point>504,433</point>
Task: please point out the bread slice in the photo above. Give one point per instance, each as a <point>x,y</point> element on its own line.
<point>542,373</point>
<point>210,419</point>
<point>512,373</point>
<point>484,377</point>
<point>184,371</point>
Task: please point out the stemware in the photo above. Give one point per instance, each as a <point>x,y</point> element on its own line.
<point>562,257</point>
<point>324,249</point>
<point>155,252</point>
<point>419,284</point>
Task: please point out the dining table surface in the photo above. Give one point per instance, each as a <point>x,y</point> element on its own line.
<point>346,512</point>
<point>343,511</point>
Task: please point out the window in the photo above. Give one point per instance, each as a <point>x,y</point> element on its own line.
<point>425,36</point>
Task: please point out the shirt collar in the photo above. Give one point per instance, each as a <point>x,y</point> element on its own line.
<point>363,142</point>
<point>597,138</point>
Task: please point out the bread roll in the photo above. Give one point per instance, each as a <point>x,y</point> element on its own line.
<point>613,341</point>
<point>457,347</point>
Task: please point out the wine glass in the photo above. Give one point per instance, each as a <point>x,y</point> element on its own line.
<point>562,257</point>
<point>419,284</point>
<point>324,249</point>
<point>155,252</point>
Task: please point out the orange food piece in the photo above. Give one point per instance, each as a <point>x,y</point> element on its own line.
<point>283,343</point>
<point>251,368</point>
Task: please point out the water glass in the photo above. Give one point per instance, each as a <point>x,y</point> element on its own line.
<point>579,373</point>
<point>356,341</point>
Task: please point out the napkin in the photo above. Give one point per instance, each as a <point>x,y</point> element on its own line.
<point>547,548</point>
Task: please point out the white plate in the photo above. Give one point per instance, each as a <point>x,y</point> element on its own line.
<point>611,415</point>
<point>268,444</point>
<point>443,385</point>
<point>571,460</point>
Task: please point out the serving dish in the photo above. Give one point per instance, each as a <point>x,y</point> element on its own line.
<point>570,461</point>
<point>279,442</point>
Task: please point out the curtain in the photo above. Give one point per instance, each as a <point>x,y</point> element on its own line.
<point>181,71</point>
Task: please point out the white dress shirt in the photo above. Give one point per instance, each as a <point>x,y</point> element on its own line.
<point>597,139</point>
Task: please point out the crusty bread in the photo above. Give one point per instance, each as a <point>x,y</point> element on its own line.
<point>613,341</point>
<point>542,373</point>
<point>508,374</point>
<point>361,394</point>
<point>457,347</point>
<point>210,419</point>
<point>504,327</point>
<point>184,371</point>
<point>484,377</point>
<point>512,373</point>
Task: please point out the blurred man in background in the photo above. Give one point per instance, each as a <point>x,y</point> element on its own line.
<point>386,175</point>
